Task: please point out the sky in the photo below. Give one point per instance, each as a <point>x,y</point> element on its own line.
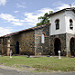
<point>16,15</point>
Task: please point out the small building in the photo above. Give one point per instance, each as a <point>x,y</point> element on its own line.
<point>45,39</point>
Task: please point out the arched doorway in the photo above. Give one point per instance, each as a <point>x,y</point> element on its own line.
<point>72,46</point>
<point>17,47</point>
<point>57,46</point>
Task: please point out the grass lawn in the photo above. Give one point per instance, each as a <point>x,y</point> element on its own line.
<point>41,64</point>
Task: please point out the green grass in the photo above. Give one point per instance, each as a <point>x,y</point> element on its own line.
<point>41,64</point>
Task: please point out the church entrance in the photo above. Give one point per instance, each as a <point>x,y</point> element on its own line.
<point>57,46</point>
<point>17,47</point>
<point>72,46</point>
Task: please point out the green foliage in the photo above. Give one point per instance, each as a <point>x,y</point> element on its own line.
<point>44,19</point>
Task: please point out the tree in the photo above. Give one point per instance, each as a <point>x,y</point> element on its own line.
<point>44,19</point>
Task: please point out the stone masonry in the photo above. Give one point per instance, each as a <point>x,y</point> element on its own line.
<point>29,42</point>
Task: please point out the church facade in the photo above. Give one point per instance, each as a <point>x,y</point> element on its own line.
<point>45,39</point>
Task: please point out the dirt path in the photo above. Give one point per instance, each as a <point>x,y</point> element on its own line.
<point>4,70</point>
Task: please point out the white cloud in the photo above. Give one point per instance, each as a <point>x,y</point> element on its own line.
<point>73,4</point>
<point>32,18</point>
<point>16,11</point>
<point>45,10</point>
<point>17,23</point>
<point>11,19</point>
<point>2,2</point>
<point>60,5</point>
<point>4,31</point>
<point>21,5</point>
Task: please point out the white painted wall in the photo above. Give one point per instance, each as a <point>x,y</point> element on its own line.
<point>69,15</point>
<point>62,27</point>
<point>64,18</point>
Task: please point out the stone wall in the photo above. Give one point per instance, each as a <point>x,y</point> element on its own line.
<point>42,48</point>
<point>65,43</point>
<point>68,39</point>
<point>3,46</point>
<point>0,46</point>
<point>30,42</point>
<point>62,38</point>
<point>26,42</point>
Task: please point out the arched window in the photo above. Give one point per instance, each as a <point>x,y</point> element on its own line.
<point>71,24</point>
<point>43,38</point>
<point>57,24</point>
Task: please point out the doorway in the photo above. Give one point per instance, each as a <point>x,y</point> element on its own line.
<point>17,47</point>
<point>72,46</point>
<point>57,46</point>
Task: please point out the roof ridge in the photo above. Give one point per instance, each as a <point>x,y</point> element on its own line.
<point>14,33</point>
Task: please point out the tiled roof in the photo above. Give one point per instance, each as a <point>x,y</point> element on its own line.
<point>65,9</point>
<point>34,28</point>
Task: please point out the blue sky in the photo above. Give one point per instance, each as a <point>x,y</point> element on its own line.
<point>16,15</point>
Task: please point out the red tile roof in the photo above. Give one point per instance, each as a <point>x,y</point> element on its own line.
<point>34,28</point>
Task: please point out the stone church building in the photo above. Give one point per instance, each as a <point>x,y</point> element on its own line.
<point>45,39</point>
